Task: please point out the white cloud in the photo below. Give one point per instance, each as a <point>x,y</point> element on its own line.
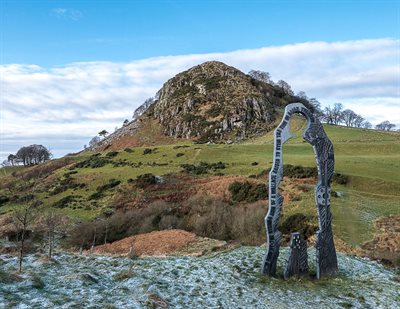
<point>64,13</point>
<point>60,105</point>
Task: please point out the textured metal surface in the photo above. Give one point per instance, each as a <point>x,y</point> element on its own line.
<point>323,150</point>
<point>297,263</point>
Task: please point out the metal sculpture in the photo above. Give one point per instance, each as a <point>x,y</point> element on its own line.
<point>314,134</point>
<point>297,263</point>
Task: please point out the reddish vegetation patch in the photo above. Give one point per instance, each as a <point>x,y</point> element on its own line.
<point>386,243</point>
<point>217,186</point>
<point>151,244</point>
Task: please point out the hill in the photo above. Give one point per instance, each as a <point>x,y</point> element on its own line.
<point>209,102</point>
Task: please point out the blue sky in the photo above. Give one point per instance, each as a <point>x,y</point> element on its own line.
<point>49,33</point>
<point>69,69</point>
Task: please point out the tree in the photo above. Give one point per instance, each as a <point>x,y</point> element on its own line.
<point>126,121</point>
<point>51,221</point>
<point>328,115</point>
<point>337,113</point>
<point>94,142</point>
<point>358,121</point>
<point>103,133</point>
<point>12,158</point>
<point>385,126</point>
<point>286,88</point>
<point>33,154</point>
<point>23,218</point>
<point>349,117</point>
<point>261,76</point>
<point>317,108</point>
<point>366,125</point>
<point>302,95</point>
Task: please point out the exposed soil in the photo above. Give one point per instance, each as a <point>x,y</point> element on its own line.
<point>161,243</point>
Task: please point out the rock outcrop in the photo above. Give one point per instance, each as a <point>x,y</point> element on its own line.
<point>210,102</point>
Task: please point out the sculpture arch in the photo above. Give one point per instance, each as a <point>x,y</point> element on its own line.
<point>314,134</point>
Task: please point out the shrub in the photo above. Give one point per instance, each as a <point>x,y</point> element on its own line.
<point>100,189</point>
<point>301,223</point>
<point>147,151</point>
<point>298,171</point>
<point>112,154</point>
<point>4,200</point>
<point>340,178</point>
<point>129,150</point>
<point>202,168</point>
<point>215,110</point>
<point>145,180</point>
<point>179,154</point>
<point>247,192</point>
<point>93,161</point>
<point>111,184</point>
<point>254,163</point>
<point>67,201</point>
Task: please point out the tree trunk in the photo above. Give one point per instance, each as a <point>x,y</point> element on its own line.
<point>21,252</point>
<point>50,245</point>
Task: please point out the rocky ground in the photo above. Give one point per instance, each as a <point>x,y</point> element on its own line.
<point>226,279</point>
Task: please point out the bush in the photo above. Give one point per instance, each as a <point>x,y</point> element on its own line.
<point>147,151</point>
<point>129,150</point>
<point>254,163</point>
<point>340,179</point>
<point>202,168</point>
<point>179,154</point>
<point>298,171</point>
<point>4,200</point>
<point>100,189</point>
<point>301,223</point>
<point>67,201</point>
<point>111,184</point>
<point>111,154</point>
<point>145,180</point>
<point>247,192</point>
<point>93,161</point>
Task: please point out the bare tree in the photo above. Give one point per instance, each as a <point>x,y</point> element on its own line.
<point>358,121</point>
<point>286,88</point>
<point>349,117</point>
<point>385,126</point>
<point>337,113</point>
<point>23,219</point>
<point>261,76</point>
<point>366,125</point>
<point>94,141</point>
<point>12,158</point>
<point>302,94</point>
<point>51,222</point>
<point>328,115</point>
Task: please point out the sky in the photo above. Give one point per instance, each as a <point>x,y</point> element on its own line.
<point>69,69</point>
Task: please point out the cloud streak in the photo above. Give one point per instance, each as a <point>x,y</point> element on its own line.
<point>69,103</point>
<point>69,14</point>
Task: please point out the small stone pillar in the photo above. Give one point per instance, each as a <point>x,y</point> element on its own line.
<point>297,263</point>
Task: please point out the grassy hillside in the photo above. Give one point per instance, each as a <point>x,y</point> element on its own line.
<point>370,158</point>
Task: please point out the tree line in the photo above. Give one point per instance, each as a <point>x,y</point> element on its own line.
<point>335,114</point>
<point>30,155</point>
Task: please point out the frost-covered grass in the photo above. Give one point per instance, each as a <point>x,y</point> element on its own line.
<point>224,280</point>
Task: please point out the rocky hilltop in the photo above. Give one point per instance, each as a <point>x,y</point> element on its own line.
<point>209,102</point>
